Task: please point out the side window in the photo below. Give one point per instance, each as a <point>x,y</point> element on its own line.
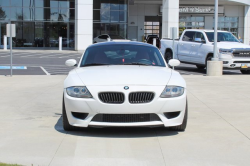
<point>188,36</point>
<point>105,36</point>
<point>100,37</point>
<point>200,35</point>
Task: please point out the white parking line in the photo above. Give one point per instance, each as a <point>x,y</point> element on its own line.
<point>47,73</point>
<point>50,56</point>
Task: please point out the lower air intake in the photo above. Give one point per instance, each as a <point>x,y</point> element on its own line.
<point>126,118</point>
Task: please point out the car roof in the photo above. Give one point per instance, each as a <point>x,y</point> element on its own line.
<point>204,30</point>
<point>119,43</point>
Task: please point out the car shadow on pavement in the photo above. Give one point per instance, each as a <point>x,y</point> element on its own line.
<point>116,132</point>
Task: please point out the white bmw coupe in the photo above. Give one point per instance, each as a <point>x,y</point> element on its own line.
<point>124,84</point>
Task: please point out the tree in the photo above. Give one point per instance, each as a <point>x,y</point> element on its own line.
<point>2,14</point>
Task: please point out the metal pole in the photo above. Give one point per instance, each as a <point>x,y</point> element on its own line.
<point>154,42</point>
<point>215,31</point>
<point>60,43</point>
<point>173,36</point>
<point>10,48</point>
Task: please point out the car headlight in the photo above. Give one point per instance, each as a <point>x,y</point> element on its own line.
<point>79,92</point>
<point>226,53</point>
<point>172,91</point>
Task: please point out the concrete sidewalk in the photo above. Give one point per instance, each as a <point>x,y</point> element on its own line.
<point>218,131</point>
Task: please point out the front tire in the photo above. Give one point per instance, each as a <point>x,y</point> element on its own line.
<point>183,126</point>
<point>66,125</point>
<point>209,58</point>
<point>245,71</point>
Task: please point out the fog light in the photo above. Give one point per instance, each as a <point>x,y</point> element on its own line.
<point>232,65</point>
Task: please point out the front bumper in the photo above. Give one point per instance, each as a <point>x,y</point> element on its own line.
<point>236,63</point>
<point>94,106</point>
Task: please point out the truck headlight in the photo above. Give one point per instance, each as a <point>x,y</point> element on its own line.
<point>226,53</point>
<point>172,91</point>
<point>79,92</point>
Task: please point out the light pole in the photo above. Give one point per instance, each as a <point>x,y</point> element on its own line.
<point>215,67</point>
<point>215,58</point>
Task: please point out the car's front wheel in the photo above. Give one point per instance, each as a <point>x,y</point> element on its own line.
<point>66,125</point>
<point>183,126</point>
<point>245,71</point>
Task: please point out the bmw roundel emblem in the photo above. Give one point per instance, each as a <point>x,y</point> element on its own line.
<point>126,88</point>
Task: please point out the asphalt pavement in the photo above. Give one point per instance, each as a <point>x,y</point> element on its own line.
<point>52,62</point>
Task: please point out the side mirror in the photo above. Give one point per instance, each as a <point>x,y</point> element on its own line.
<point>174,62</point>
<point>71,62</point>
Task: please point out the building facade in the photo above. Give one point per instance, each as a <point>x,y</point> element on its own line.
<point>40,22</point>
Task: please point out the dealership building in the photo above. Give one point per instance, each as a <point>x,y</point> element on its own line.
<point>39,23</point>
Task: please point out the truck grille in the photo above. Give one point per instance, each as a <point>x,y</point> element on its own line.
<point>112,97</point>
<point>125,118</point>
<point>141,97</point>
<point>242,54</point>
<point>241,61</point>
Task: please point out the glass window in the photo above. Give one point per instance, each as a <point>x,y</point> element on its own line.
<point>54,4</point>
<point>123,16</point>
<point>228,24</point>
<point>63,15</point>
<point>16,14</point>
<point>4,13</point>
<point>123,4</point>
<point>222,36</point>
<point>151,28</point>
<point>200,36</point>
<point>54,16</point>
<point>188,36</point>
<point>28,3</point>
<point>114,4</point>
<point>39,27</point>
<point>4,2</point>
<point>16,3</point>
<point>105,15</point>
<point>28,14</point>
<point>122,54</point>
<point>39,14</point>
<point>63,4</point>
<point>114,16</point>
<point>28,34</point>
<point>39,3</point>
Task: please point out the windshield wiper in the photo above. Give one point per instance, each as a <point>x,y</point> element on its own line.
<point>95,64</point>
<point>137,63</point>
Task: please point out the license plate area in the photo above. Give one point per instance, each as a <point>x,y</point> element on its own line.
<point>245,65</point>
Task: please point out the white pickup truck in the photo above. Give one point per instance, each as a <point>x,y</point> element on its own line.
<point>196,47</point>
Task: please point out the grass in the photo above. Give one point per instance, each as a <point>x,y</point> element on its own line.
<point>3,164</point>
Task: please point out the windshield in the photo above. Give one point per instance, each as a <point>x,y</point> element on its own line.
<point>116,37</point>
<point>121,54</point>
<point>222,37</point>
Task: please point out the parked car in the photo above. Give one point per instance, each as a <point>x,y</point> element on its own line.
<point>150,40</point>
<point>196,47</point>
<point>124,84</point>
<point>151,36</point>
<point>107,37</point>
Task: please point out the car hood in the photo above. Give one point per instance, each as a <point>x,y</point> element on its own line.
<point>232,45</point>
<point>124,75</point>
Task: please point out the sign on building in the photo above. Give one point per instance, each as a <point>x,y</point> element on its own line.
<point>200,9</point>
